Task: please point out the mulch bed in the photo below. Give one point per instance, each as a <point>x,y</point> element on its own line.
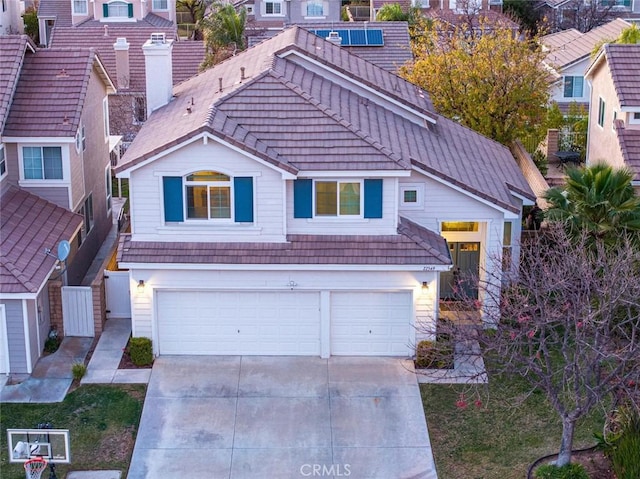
<point>127,363</point>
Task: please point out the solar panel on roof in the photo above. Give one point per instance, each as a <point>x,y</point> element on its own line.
<point>353,37</point>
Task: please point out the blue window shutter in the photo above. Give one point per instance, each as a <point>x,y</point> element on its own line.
<point>172,186</point>
<point>130,10</point>
<point>302,195</point>
<point>243,199</point>
<point>373,198</point>
<point>105,10</point>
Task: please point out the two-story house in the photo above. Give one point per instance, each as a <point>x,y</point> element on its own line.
<point>297,199</point>
<point>569,56</point>
<point>117,30</point>
<point>585,15</point>
<point>614,116</point>
<point>55,183</point>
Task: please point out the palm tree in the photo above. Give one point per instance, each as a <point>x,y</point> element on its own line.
<point>598,200</point>
<point>223,32</point>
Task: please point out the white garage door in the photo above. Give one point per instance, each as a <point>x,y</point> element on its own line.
<point>238,322</point>
<point>369,324</point>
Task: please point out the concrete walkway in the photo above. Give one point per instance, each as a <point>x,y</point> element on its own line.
<point>245,417</point>
<point>103,365</point>
<point>51,376</point>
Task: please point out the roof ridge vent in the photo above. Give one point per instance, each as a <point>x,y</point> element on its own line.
<point>334,37</point>
<point>158,38</point>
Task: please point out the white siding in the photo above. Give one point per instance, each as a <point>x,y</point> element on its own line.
<point>387,225</point>
<point>147,197</point>
<point>557,89</point>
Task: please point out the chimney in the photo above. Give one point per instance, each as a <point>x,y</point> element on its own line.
<point>158,71</point>
<point>121,46</point>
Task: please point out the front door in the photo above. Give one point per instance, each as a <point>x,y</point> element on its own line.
<point>460,282</point>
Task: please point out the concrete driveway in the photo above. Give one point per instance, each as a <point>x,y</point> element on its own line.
<point>263,417</point>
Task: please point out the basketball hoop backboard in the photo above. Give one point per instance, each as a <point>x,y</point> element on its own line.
<point>50,444</point>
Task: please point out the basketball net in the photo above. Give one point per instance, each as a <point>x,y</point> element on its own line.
<point>35,467</point>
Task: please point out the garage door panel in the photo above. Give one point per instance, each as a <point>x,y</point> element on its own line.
<point>371,323</point>
<point>242,322</point>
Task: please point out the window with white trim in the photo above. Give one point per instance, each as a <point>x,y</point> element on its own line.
<point>80,7</point>
<point>601,110</point>
<point>338,198</point>
<point>160,5</point>
<point>42,162</point>
<point>273,8</point>
<point>105,115</point>
<point>507,246</point>
<point>411,196</point>
<point>208,195</point>
<point>87,213</point>
<point>108,186</point>
<point>315,8</point>
<point>118,9</point>
<point>81,139</point>
<point>573,86</point>
<point>634,117</point>
<point>3,162</point>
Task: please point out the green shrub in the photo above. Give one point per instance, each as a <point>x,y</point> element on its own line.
<point>541,162</point>
<point>141,351</point>
<point>625,457</point>
<point>78,369</point>
<point>51,345</point>
<point>435,354</point>
<point>569,471</point>
<point>30,19</point>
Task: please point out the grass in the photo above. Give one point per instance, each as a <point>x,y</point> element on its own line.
<point>500,439</point>
<point>102,420</point>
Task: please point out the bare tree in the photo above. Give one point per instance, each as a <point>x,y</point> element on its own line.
<point>581,15</point>
<point>569,324</point>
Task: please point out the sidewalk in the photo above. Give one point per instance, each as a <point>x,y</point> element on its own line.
<point>103,366</point>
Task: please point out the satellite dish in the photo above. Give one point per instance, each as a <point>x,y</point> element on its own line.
<point>64,248</point>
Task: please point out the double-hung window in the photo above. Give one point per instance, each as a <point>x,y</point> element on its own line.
<point>337,198</point>
<point>208,195</point>
<point>108,186</point>
<point>273,8</point>
<point>573,86</point>
<point>315,8</point>
<point>42,162</point>
<point>117,9</point>
<point>79,7</point>
<point>160,5</point>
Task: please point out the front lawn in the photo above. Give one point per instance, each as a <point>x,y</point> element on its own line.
<point>102,420</point>
<point>502,437</point>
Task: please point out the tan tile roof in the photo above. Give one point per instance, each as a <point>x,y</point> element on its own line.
<point>300,121</point>
<point>557,39</point>
<point>562,55</point>
<point>629,140</point>
<point>187,55</point>
<point>492,17</point>
<point>12,51</point>
<point>50,94</point>
<point>413,245</point>
<point>58,9</point>
<point>624,64</point>
<point>395,52</point>
<point>30,224</point>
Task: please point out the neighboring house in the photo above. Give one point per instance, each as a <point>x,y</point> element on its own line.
<point>118,40</point>
<point>275,14</point>
<point>569,56</point>
<point>614,116</point>
<point>585,15</point>
<point>297,199</point>
<point>11,17</point>
<point>385,44</point>
<point>55,182</point>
